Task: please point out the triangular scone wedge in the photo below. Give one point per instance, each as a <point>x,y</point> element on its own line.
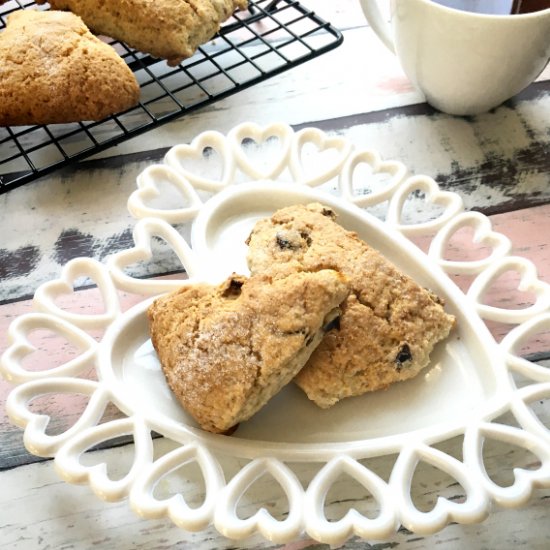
<point>54,70</point>
<point>168,29</point>
<point>226,350</point>
<point>389,324</point>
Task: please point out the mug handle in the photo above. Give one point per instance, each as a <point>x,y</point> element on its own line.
<point>376,20</point>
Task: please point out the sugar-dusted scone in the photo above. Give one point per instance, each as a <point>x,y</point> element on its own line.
<point>168,29</point>
<point>226,350</point>
<point>54,70</point>
<point>389,324</point>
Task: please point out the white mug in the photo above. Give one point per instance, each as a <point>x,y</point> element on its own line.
<point>464,62</point>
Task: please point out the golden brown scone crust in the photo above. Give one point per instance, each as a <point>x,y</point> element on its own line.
<point>226,350</point>
<point>389,324</point>
<point>168,29</point>
<point>53,70</point>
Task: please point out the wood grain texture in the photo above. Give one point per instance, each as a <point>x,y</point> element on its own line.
<point>70,517</point>
<point>496,162</point>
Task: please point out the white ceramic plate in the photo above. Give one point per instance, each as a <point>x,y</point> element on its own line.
<point>210,193</point>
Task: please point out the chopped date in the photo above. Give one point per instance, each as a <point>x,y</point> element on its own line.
<point>285,243</point>
<point>306,238</point>
<point>333,324</point>
<point>404,355</point>
<point>328,212</point>
<point>233,288</point>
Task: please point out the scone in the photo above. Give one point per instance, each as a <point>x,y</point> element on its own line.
<point>54,70</point>
<point>168,29</point>
<point>389,324</point>
<point>226,350</point>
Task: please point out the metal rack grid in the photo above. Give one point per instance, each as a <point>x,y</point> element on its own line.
<point>271,37</point>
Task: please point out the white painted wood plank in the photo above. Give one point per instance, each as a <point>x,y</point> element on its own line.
<point>40,512</point>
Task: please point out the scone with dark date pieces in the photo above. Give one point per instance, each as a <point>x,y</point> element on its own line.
<point>226,350</point>
<point>389,324</point>
<point>54,70</point>
<point>167,29</point>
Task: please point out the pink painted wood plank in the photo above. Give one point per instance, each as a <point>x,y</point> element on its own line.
<point>528,230</point>
<point>51,351</point>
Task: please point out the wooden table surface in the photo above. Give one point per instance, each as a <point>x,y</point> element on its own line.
<point>498,162</point>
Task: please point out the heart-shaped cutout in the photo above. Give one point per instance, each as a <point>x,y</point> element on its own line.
<point>525,481</point>
<point>227,521</point>
<point>324,159</point>
<point>37,441</point>
<point>359,183</point>
<point>68,460</point>
<point>20,347</point>
<point>272,149</point>
<point>474,509</point>
<point>481,287</point>
<point>176,508</point>
<point>353,523</point>
<point>47,293</point>
<point>497,244</point>
<point>207,162</point>
<point>172,188</point>
<point>425,194</point>
<point>517,340</point>
<point>144,231</point>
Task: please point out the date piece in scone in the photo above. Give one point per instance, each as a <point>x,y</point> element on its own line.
<point>54,70</point>
<point>167,29</point>
<point>226,350</point>
<point>389,324</point>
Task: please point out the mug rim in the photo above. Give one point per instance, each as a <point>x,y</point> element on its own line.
<point>466,13</point>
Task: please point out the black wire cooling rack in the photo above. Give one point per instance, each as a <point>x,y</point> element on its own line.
<point>271,37</point>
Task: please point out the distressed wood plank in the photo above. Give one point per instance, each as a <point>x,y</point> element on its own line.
<point>67,516</point>
<point>496,162</point>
